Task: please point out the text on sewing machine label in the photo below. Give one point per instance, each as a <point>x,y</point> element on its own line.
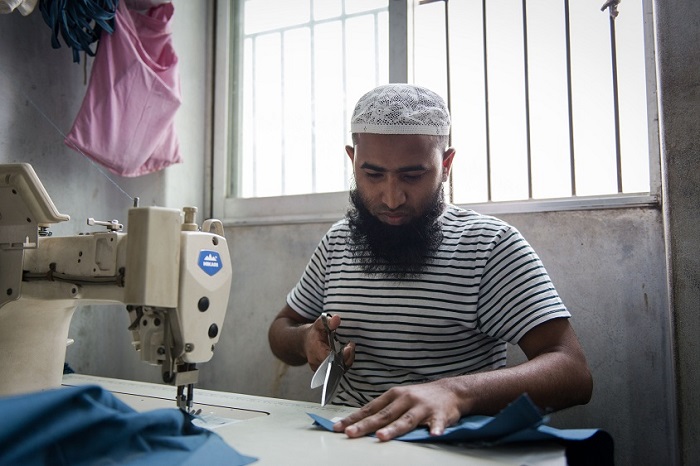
<point>209,261</point>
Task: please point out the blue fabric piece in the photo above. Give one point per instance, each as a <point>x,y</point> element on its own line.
<point>88,425</point>
<point>520,421</point>
<point>544,432</point>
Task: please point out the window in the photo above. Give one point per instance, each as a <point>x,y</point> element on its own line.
<point>549,99</point>
<point>305,63</point>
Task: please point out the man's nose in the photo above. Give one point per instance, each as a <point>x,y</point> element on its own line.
<point>394,195</point>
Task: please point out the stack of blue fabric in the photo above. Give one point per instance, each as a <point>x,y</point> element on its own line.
<point>88,425</point>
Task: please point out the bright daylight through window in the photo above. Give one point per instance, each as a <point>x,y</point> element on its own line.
<point>548,97</point>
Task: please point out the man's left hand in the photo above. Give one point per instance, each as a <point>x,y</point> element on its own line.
<point>402,409</point>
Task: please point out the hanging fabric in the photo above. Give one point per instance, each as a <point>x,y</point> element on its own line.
<point>79,22</point>
<point>25,7</point>
<point>126,121</point>
<point>144,4</point>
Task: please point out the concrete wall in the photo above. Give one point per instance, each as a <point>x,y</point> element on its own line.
<point>678,58</point>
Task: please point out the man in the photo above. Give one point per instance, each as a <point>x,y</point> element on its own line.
<point>425,295</point>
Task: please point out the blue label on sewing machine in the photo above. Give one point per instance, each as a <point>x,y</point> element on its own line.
<point>209,261</point>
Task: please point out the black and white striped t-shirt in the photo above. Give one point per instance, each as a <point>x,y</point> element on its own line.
<point>485,286</point>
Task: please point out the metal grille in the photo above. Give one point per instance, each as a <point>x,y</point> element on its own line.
<point>299,83</point>
<point>548,97</point>
<point>612,159</point>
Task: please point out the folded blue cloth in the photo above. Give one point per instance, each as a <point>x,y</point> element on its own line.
<point>520,421</point>
<point>88,425</point>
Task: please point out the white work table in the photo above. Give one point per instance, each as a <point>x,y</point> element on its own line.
<point>279,432</point>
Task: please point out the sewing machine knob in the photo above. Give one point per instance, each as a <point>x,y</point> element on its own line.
<point>203,304</point>
<point>190,223</point>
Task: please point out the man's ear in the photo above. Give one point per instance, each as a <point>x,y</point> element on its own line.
<point>447,158</point>
<point>351,153</point>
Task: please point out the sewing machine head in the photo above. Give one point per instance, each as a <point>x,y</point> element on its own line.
<point>173,277</point>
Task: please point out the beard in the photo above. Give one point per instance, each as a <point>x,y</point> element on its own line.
<point>394,251</point>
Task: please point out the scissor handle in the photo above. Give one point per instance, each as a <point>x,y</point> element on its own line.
<point>331,333</point>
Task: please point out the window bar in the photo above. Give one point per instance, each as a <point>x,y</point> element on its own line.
<point>447,61</point>
<point>349,177</point>
<point>253,104</point>
<point>616,101</point>
<point>527,103</point>
<point>312,104</point>
<point>448,97</point>
<point>486,104</point>
<point>344,52</point>
<point>572,162</point>
<point>376,47</point>
<point>448,83</point>
<point>449,88</point>
<point>283,177</point>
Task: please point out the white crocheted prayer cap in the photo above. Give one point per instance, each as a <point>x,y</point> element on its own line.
<point>401,109</point>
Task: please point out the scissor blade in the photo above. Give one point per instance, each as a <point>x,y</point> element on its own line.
<point>332,382</point>
<point>320,375</point>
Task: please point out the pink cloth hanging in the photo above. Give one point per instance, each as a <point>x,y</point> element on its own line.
<point>127,119</point>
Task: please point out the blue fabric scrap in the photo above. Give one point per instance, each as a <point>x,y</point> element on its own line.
<point>520,421</point>
<point>88,425</point>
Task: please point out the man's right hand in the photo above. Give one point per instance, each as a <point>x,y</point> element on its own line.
<point>296,340</point>
<point>317,347</point>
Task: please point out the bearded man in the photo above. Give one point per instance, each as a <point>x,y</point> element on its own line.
<point>423,295</point>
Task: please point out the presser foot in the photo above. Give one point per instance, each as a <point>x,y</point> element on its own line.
<point>185,399</point>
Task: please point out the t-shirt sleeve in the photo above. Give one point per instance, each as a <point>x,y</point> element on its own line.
<point>307,296</point>
<point>516,293</point>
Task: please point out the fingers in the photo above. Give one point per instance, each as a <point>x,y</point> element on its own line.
<point>400,410</point>
<point>334,322</point>
<point>357,423</point>
<point>387,416</point>
<point>386,426</point>
<point>316,344</point>
<point>349,354</point>
<point>437,427</point>
<point>404,424</point>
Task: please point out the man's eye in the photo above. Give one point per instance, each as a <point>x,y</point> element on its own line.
<point>412,177</point>
<point>373,175</point>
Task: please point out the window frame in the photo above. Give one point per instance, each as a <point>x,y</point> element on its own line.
<point>328,207</point>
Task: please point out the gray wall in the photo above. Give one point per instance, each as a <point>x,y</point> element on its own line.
<point>678,58</point>
<point>637,318</point>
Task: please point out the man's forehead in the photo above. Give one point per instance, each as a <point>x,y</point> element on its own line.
<point>420,142</point>
<point>398,150</point>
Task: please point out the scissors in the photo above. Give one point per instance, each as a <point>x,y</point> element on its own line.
<point>331,370</point>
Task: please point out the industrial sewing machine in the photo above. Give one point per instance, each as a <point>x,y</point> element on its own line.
<point>173,277</point>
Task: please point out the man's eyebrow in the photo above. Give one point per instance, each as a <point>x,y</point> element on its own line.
<point>411,168</point>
